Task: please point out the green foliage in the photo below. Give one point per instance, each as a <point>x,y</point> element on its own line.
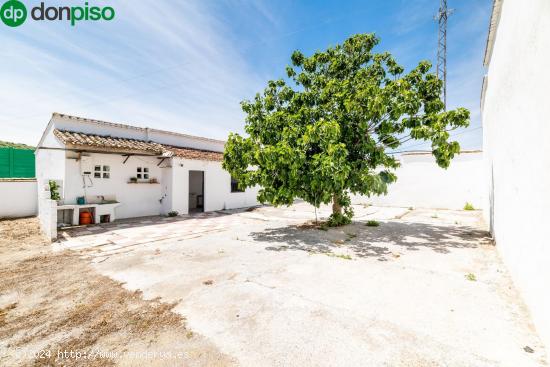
<point>471,277</point>
<point>468,206</point>
<point>173,213</point>
<point>325,131</point>
<point>7,144</point>
<point>372,223</point>
<point>338,219</point>
<point>340,256</point>
<point>54,190</point>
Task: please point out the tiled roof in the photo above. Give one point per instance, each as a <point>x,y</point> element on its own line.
<point>106,142</point>
<point>130,127</point>
<point>115,144</point>
<point>203,155</point>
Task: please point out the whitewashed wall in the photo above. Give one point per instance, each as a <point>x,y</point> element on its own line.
<point>137,199</point>
<point>145,199</point>
<point>217,187</point>
<point>50,165</point>
<point>422,183</point>
<point>516,126</point>
<point>166,189</point>
<point>18,198</point>
<point>47,210</point>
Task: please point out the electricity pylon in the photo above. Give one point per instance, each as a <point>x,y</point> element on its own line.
<point>441,18</point>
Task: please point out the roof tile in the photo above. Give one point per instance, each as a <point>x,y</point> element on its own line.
<point>124,144</point>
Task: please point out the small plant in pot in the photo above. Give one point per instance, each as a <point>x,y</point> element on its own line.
<point>133,179</point>
<point>54,190</point>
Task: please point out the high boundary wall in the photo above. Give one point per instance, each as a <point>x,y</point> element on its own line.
<point>515,117</point>
<point>18,198</point>
<point>421,183</point>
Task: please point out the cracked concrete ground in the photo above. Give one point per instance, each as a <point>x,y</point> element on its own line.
<point>424,288</point>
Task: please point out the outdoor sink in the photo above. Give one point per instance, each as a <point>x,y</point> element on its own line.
<point>108,202</point>
<point>101,199</point>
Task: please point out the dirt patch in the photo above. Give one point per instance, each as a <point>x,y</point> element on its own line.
<point>55,309</point>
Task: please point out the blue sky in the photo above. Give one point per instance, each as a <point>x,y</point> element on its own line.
<point>185,65</point>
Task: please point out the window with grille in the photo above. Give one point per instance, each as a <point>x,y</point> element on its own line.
<point>101,171</point>
<point>142,173</point>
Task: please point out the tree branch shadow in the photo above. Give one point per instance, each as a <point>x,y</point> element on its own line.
<point>378,242</point>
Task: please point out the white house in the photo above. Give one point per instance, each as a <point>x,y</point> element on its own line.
<point>121,171</point>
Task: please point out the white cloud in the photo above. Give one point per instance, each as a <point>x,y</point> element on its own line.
<point>164,64</point>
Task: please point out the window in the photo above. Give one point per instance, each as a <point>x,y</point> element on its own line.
<point>142,173</point>
<point>102,171</point>
<point>235,186</point>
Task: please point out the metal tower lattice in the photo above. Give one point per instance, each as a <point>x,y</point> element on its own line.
<point>441,18</point>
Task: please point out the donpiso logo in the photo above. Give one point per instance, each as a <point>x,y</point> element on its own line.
<point>14,13</point>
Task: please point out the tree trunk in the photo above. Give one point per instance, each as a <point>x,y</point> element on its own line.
<point>336,208</point>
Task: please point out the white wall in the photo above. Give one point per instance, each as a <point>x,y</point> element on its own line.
<point>217,187</point>
<point>144,199</point>
<point>516,128</point>
<point>47,212</point>
<point>422,183</point>
<point>50,165</point>
<point>166,184</point>
<point>137,199</point>
<point>18,198</point>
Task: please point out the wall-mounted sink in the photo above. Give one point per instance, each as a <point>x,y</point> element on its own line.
<point>101,199</point>
<point>108,202</point>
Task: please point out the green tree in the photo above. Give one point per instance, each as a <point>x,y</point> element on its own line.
<point>7,144</point>
<point>326,131</point>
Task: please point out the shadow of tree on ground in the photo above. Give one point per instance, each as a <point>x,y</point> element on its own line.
<point>376,242</point>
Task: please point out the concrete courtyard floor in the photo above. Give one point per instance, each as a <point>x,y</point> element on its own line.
<point>424,288</point>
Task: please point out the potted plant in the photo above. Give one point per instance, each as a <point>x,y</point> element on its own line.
<point>54,190</point>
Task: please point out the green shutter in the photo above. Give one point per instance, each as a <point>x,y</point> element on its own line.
<point>17,163</point>
<point>5,162</point>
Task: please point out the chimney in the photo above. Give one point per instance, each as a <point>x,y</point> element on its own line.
<point>147,139</point>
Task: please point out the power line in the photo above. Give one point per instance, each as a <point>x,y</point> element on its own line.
<point>426,142</point>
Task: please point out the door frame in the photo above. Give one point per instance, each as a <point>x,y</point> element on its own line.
<point>203,175</point>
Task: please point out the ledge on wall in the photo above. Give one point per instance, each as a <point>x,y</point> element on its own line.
<point>17,179</point>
